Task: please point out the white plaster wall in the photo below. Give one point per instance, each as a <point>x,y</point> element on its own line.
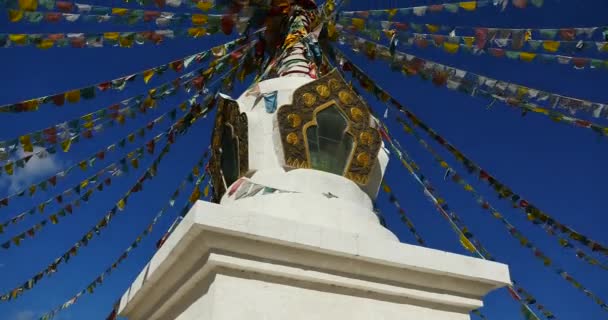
<point>243,298</point>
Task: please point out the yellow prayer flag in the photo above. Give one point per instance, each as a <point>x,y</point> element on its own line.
<point>432,28</point>
<point>135,163</point>
<point>540,110</point>
<point>54,219</point>
<point>8,168</point>
<point>83,165</point>
<point>604,48</point>
<point>468,187</point>
<point>149,103</point>
<point>46,44</point>
<point>197,32</point>
<point>468,41</point>
<point>206,191</point>
<point>199,19</point>
<point>84,183</point>
<point>131,137</point>
<point>65,145</point>
<point>386,188</point>
<point>195,195</point>
<point>204,5</point>
<point>125,42</point>
<point>196,171</point>
<point>550,45</point>
<point>358,23</point>
<point>148,75</point>
<point>467,244</point>
<point>451,47</point>
<point>391,13</point>
<point>111,35</point>
<point>26,143</point>
<point>527,56</point>
<point>469,5</point>
<point>331,29</point>
<point>522,91</point>
<point>18,38</point>
<point>120,11</point>
<point>443,164</point>
<point>72,96</point>
<point>121,204</point>
<point>41,207</point>
<point>32,189</point>
<point>15,15</point>
<point>28,5</point>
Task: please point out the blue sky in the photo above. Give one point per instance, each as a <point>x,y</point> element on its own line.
<point>559,168</point>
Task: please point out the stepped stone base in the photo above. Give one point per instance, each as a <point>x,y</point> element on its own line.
<point>226,263</point>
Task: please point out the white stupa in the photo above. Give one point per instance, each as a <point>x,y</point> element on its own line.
<point>294,234</point>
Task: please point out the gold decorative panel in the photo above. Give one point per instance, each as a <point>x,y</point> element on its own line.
<point>311,98</point>
<point>228,116</point>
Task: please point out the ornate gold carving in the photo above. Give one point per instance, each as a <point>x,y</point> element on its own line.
<point>323,91</point>
<point>345,97</point>
<point>311,98</point>
<point>334,85</point>
<point>295,120</point>
<point>365,138</point>
<point>292,138</point>
<point>356,114</point>
<point>228,114</point>
<point>363,159</point>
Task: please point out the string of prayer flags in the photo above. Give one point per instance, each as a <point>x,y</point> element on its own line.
<point>120,83</point>
<point>534,215</point>
<point>516,234</point>
<point>99,40</point>
<point>481,86</point>
<point>478,40</point>
<point>173,133</point>
<point>98,281</point>
<point>484,34</point>
<point>404,218</point>
<point>74,7</point>
<point>452,175</point>
<point>467,239</point>
<point>453,44</point>
<point>96,181</point>
<point>85,189</point>
<point>195,80</point>
<point>91,160</point>
<point>454,7</point>
<point>124,16</point>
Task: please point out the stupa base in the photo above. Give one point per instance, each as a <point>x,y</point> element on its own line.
<point>224,263</point>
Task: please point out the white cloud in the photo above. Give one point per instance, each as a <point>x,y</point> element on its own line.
<point>25,315</point>
<point>33,171</point>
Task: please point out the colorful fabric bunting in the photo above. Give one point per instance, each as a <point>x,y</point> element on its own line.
<point>404,218</point>
<point>95,181</point>
<point>454,7</point>
<point>478,40</point>
<point>452,175</point>
<point>176,130</point>
<point>73,7</point>
<point>108,271</point>
<point>120,83</point>
<point>98,40</point>
<point>119,16</point>
<point>476,85</point>
<point>535,215</point>
<point>71,134</point>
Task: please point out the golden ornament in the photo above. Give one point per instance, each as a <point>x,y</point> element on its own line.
<point>323,91</point>
<point>294,120</point>
<point>309,99</point>
<point>292,138</point>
